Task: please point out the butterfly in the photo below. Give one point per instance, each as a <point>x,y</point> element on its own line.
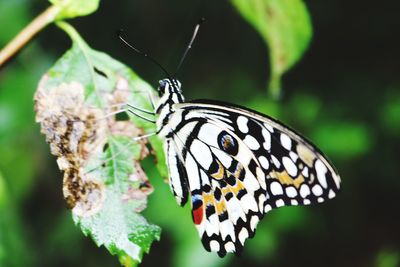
<point>234,165</point>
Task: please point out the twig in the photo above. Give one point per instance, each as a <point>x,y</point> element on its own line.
<point>28,32</point>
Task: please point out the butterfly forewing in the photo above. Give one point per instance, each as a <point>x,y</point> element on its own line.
<point>240,165</point>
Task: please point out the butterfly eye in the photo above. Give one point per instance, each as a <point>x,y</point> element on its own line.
<point>227,143</point>
<point>162,86</point>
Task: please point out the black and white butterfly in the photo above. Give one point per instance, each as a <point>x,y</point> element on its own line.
<point>234,165</point>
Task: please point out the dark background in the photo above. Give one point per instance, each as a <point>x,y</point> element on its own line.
<point>344,94</point>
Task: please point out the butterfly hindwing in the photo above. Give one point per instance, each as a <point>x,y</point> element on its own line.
<point>238,165</point>
<point>226,194</point>
<point>178,180</point>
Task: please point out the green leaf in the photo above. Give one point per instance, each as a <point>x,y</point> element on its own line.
<point>390,113</point>
<point>74,8</point>
<point>387,258</point>
<point>285,26</point>
<point>343,139</point>
<point>13,247</point>
<point>109,212</point>
<point>3,192</point>
<point>117,226</point>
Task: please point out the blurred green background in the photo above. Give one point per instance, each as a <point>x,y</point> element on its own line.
<point>344,94</point>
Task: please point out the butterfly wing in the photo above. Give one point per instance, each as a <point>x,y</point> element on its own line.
<point>238,165</point>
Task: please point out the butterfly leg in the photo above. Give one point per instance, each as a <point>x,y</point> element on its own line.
<point>133,110</point>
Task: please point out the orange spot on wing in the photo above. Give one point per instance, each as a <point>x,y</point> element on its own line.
<point>235,189</point>
<point>220,207</point>
<point>220,173</point>
<point>284,178</point>
<point>208,199</point>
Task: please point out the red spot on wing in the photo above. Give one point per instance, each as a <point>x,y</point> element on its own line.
<point>198,215</point>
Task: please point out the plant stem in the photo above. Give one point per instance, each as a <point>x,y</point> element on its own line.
<point>274,86</point>
<point>28,33</point>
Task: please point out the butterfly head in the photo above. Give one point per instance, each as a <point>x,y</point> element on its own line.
<point>169,86</point>
<point>169,91</point>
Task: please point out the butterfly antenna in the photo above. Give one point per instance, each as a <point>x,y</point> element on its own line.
<point>196,29</point>
<point>119,33</point>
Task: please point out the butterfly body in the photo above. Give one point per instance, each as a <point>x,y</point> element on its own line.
<point>236,165</point>
<point>170,94</point>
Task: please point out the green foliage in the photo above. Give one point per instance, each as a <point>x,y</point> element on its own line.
<point>387,258</point>
<point>75,8</point>
<point>390,114</point>
<point>285,26</point>
<point>13,251</point>
<point>345,139</point>
<point>14,15</point>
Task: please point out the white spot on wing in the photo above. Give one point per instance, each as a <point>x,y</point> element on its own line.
<point>291,192</point>
<point>289,166</point>
<point>276,188</point>
<point>305,172</point>
<point>267,208</point>
<point>214,245</point>
<point>230,247</point>
<point>279,203</point>
<point>243,235</point>
<point>253,222</point>
<point>261,201</point>
<point>267,139</point>
<point>321,170</point>
<point>276,162</point>
<point>304,191</point>
<point>251,142</point>
<point>264,162</point>
<point>331,194</point>
<point>242,124</point>
<point>285,141</point>
<point>293,156</point>
<point>317,190</point>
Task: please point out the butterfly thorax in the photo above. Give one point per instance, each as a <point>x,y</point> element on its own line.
<point>170,93</point>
